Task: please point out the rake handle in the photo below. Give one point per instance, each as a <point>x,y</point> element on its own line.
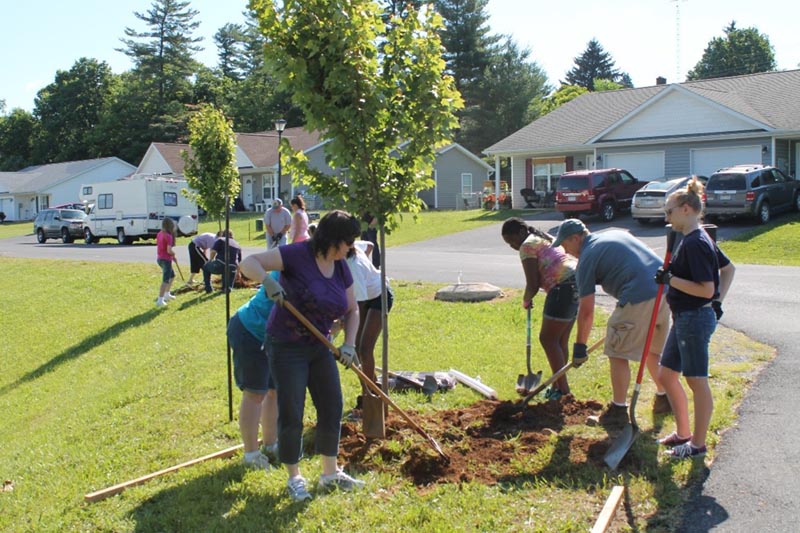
<point>363,377</point>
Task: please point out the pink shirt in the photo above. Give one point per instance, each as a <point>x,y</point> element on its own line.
<point>298,232</point>
<point>555,266</point>
<point>163,240</point>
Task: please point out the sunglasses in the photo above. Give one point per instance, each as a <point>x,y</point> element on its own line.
<point>669,211</point>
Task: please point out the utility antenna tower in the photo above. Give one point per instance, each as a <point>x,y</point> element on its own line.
<point>678,77</point>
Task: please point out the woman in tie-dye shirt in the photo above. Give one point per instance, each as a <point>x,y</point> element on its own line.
<point>553,271</point>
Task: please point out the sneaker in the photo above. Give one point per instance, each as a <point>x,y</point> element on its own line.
<point>297,489</point>
<point>161,303</point>
<point>260,461</point>
<point>661,405</point>
<point>169,297</point>
<point>674,440</point>
<point>340,480</point>
<point>270,450</point>
<point>614,415</point>
<point>354,415</point>
<point>685,451</point>
<point>553,394</point>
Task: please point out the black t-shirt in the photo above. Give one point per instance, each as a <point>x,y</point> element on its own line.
<point>235,252</point>
<point>697,258</point>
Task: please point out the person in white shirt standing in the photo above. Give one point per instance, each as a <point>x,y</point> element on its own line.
<point>277,221</point>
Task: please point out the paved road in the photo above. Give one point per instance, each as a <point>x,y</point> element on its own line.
<point>754,483</point>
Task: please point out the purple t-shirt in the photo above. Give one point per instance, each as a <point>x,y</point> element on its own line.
<point>321,300</point>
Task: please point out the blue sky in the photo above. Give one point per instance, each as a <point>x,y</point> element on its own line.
<point>40,37</point>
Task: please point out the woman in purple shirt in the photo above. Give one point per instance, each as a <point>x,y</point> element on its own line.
<point>316,280</point>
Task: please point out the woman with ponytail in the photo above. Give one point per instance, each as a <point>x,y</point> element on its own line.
<point>552,270</point>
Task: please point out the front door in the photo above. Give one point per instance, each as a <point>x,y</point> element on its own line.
<point>247,192</point>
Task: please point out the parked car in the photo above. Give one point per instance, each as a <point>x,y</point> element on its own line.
<point>64,224</point>
<point>750,191</point>
<point>648,202</point>
<point>603,192</point>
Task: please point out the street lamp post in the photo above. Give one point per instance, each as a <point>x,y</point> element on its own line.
<point>280,124</point>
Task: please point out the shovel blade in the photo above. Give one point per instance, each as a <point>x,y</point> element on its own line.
<point>532,381</point>
<point>372,421</point>
<point>619,448</point>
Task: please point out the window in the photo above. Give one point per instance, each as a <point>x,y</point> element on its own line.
<point>105,201</point>
<point>269,186</point>
<point>627,179</point>
<point>466,183</point>
<point>546,173</point>
<point>170,199</point>
<point>86,191</point>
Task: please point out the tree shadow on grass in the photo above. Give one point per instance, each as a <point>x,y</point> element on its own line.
<point>82,347</point>
<point>219,501</point>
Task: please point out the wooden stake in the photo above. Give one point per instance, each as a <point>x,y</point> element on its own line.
<point>116,489</point>
<point>609,510</point>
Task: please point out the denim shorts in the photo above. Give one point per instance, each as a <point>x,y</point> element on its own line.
<point>375,303</point>
<point>167,274</point>
<point>686,349</point>
<point>250,360</point>
<point>561,303</point>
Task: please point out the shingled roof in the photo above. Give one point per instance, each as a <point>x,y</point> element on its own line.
<point>39,177</point>
<point>770,98</point>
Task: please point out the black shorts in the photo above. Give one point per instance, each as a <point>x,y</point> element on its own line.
<point>561,302</point>
<point>250,360</point>
<point>196,258</point>
<point>375,303</point>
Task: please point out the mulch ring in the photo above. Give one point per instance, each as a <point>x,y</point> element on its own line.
<point>216,283</point>
<point>484,441</point>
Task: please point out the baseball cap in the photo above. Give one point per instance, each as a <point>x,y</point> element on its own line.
<point>277,202</point>
<point>568,228</point>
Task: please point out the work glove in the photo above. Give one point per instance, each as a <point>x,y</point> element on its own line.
<point>663,276</point>
<point>273,289</point>
<point>527,304</point>
<point>278,237</point>
<point>347,355</point>
<point>579,355</point>
<point>716,305</point>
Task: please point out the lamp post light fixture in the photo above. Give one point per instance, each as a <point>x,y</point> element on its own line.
<point>280,125</point>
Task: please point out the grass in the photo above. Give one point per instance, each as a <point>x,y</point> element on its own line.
<point>99,387</point>
<point>776,243</point>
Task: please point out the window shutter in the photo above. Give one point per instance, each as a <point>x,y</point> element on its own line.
<point>529,174</point>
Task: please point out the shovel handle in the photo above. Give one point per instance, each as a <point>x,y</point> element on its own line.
<point>363,377</point>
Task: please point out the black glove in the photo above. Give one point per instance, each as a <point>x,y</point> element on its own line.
<point>579,355</point>
<point>716,305</point>
<point>663,277</point>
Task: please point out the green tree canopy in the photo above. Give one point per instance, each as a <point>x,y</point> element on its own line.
<point>211,167</point>
<point>70,109</point>
<point>595,63</point>
<point>17,131</point>
<point>740,51</point>
<point>564,94</point>
<point>385,113</point>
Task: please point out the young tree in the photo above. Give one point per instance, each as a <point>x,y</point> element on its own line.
<point>595,63</point>
<point>741,51</point>
<point>211,167</point>
<point>70,109</point>
<point>163,55</point>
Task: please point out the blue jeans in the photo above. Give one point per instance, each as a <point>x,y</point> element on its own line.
<point>215,266</point>
<point>686,349</point>
<point>294,367</point>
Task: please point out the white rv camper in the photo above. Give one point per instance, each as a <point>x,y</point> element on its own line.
<point>133,208</point>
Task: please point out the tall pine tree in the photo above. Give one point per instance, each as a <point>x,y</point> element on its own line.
<point>595,63</point>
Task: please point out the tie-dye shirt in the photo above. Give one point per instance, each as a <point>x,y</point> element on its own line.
<point>555,266</point>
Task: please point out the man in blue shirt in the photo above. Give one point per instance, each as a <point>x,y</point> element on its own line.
<point>624,267</point>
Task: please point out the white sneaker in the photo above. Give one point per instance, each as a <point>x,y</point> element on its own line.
<point>270,450</point>
<point>341,481</point>
<point>297,489</point>
<point>169,297</point>
<point>161,303</point>
<point>260,461</point>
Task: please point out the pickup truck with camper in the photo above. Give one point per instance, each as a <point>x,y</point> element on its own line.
<point>133,208</point>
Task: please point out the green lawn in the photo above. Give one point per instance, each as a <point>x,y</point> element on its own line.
<point>99,387</point>
<point>776,243</point>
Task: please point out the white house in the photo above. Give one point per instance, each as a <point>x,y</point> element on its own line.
<point>25,192</point>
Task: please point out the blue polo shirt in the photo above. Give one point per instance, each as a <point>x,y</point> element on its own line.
<point>620,263</point>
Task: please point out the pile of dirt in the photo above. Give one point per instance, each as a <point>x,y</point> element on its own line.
<point>483,440</point>
<point>216,283</point>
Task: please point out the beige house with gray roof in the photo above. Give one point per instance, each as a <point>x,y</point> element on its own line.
<point>661,131</point>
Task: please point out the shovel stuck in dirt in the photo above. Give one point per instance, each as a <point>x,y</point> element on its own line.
<point>525,384</point>
<point>619,448</point>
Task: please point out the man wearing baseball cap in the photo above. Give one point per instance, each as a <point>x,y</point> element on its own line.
<point>277,221</point>
<point>625,268</point>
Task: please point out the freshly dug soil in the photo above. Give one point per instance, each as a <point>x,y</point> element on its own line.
<point>483,440</point>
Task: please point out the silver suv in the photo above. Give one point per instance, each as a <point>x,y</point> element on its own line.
<point>64,224</point>
<point>750,191</point>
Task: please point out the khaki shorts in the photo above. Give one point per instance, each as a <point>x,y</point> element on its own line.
<point>627,327</point>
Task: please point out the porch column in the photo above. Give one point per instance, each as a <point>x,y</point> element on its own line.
<point>497,184</point>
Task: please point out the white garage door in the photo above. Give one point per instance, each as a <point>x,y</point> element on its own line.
<point>706,161</point>
<point>646,166</point>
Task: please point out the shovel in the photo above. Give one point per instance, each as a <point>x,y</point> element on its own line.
<point>527,383</point>
<point>365,380</point>
<point>555,377</point>
<point>620,447</point>
<point>179,269</point>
